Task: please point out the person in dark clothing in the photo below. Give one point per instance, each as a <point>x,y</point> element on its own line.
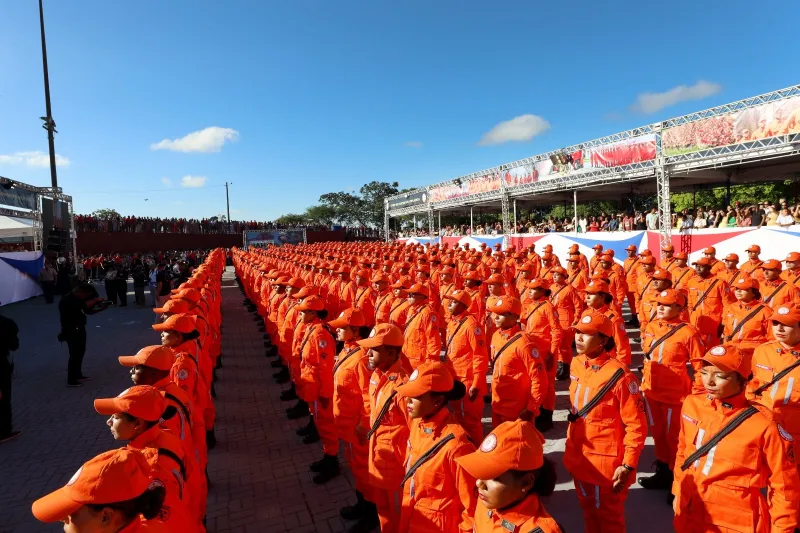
<point>163,285</point>
<point>121,285</point>
<point>139,283</point>
<point>73,308</point>
<point>111,282</point>
<point>9,342</point>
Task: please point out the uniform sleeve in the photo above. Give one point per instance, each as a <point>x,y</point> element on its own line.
<point>363,375</point>
<point>783,491</point>
<point>680,457</point>
<point>622,343</point>
<point>631,408</point>
<point>326,347</point>
<point>577,303</point>
<point>555,330</point>
<point>312,355</point>
<point>696,350</point>
<point>537,373</point>
<point>480,356</point>
<point>433,338</point>
<point>184,374</point>
<point>465,485</point>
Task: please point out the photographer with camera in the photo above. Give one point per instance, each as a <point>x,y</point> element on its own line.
<point>74,306</point>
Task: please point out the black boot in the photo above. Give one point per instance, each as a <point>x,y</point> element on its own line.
<point>266,337</point>
<point>211,439</point>
<point>544,422</point>
<point>289,394</point>
<point>634,321</point>
<point>562,374</point>
<point>219,362</point>
<point>299,410</point>
<point>312,437</point>
<point>270,350</point>
<point>213,390</point>
<point>305,430</point>
<point>262,329</point>
<point>367,523</point>
<point>277,363</point>
<point>282,376</point>
<point>329,469</point>
<point>355,511</point>
<point>661,480</point>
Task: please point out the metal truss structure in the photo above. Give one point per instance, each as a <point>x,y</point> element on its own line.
<point>660,169</point>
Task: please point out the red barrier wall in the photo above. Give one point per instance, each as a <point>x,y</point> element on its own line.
<point>92,243</point>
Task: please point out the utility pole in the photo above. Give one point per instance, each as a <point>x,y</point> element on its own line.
<point>228,204</point>
<point>49,123</point>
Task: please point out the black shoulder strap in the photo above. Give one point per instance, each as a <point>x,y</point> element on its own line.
<point>453,336</point>
<point>534,310</point>
<point>183,408</point>
<point>345,358</point>
<point>425,456</point>
<point>636,260</point>
<point>779,376</point>
<point>649,281</point>
<point>410,320</point>
<point>381,414</point>
<point>703,296</point>
<point>663,339</point>
<point>681,277</point>
<point>777,289</point>
<point>511,341</point>
<point>744,321</point>
<point>174,456</point>
<point>597,397</point>
<point>724,432</point>
<point>558,291</point>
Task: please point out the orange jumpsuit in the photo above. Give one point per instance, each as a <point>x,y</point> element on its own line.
<point>525,516</point>
<point>622,344</point>
<point>681,277</point>
<point>184,374</point>
<point>383,306</point>
<point>388,443</point>
<point>568,305</point>
<point>315,382</point>
<point>543,324</point>
<point>779,293</point>
<point>423,342</point>
<point>666,382</point>
<point>792,276</point>
<point>631,270</point>
<point>351,375</point>
<point>721,491</point>
<point>365,300</point>
<point>756,331</point>
<point>611,434</point>
<point>478,306</point>
<point>466,354</point>
<point>717,266</point>
<point>440,494</point>
<point>706,316</point>
<point>519,379</point>
<point>753,268</point>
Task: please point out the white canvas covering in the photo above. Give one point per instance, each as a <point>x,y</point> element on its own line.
<point>12,227</point>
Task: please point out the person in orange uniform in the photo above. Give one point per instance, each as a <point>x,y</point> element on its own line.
<point>583,263</point>
<point>576,276</point>
<point>523,276</point>
<point>568,305</point>
<point>134,417</point>
<point>473,284</point>
<point>731,271</point>
<point>365,298</point>
<point>598,301</point>
<point>422,337</point>
<point>716,265</point>
<point>668,344</point>
<point>792,271</point>
<point>595,260</point>
<point>436,489</point>
<point>383,295</point>
<point>644,279</point>
<point>388,432</point>
<point>722,488</point>
<point>681,272</point>
<point>776,291</point>
<point>351,375</point>
<point>113,491</point>
<point>466,353</point>
<point>519,379</point>
<point>752,266</point>
<point>497,288</point>
<point>776,370</point>
<point>747,322</point>
<point>661,281</point>
<point>542,323</point>
<point>668,262</point>
<point>607,427</point>
<point>631,269</point>
<point>398,312</point>
<point>706,296</point>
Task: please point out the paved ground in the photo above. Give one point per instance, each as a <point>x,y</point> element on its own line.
<point>259,469</point>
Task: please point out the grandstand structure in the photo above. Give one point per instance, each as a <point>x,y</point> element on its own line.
<point>751,140</point>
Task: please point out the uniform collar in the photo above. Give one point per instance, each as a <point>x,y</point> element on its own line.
<point>750,305</point>
<point>598,362</point>
<point>145,438</point>
<point>162,384</point>
<point>512,518</point>
<point>510,332</point>
<point>773,283</point>
<point>437,421</point>
<point>393,371</point>
<point>730,403</point>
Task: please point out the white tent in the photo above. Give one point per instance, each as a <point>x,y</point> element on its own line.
<point>14,228</point>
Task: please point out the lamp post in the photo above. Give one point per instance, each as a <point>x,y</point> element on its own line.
<point>49,123</point>
<point>228,205</point>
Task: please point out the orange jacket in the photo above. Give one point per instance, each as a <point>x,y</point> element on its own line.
<point>706,316</point>
<point>668,264</point>
<point>351,375</point>
<point>665,378</point>
<point>346,294</point>
<point>365,299</point>
<point>466,351</point>
<point>568,304</point>
<point>647,306</point>
<point>792,276</point>
<point>383,306</point>
<point>756,331</point>
<point>423,342</point>
<point>579,280</point>
<point>519,378</point>
<point>526,515</point>
<point>614,431</point>
<point>332,303</point>
<point>722,490</point>
<point>387,446</point>
<point>753,268</point>
<point>316,350</point>
<point>398,312</point>
<point>440,491</point>
<point>681,277</point>
<point>631,269</point>
<point>185,374</point>
<point>542,322</point>
<point>478,306</point>
<point>716,267</point>
<point>782,398</point>
<point>622,343</point>
<point>644,281</point>
<point>779,293</point>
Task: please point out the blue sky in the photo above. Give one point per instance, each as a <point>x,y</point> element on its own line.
<point>295,99</point>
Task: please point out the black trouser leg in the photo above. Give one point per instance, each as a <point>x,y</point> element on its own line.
<point>6,371</point>
<point>49,290</point>
<point>111,291</point>
<point>77,348</point>
<point>122,292</point>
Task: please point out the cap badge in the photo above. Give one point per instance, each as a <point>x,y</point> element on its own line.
<point>414,375</point>
<point>498,303</point>
<point>783,311</point>
<point>74,477</point>
<point>663,294</point>
<point>372,333</point>
<point>341,314</point>
<point>633,387</point>
<point>717,350</point>
<point>489,443</point>
<point>586,320</point>
<point>785,434</point>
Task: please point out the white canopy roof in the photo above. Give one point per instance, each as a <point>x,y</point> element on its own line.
<point>12,227</point>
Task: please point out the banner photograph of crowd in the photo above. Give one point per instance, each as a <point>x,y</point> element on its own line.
<point>397,350</point>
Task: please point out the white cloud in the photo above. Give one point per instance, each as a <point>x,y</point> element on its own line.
<point>653,102</point>
<point>413,144</point>
<point>518,129</point>
<point>206,141</point>
<point>167,182</point>
<point>32,159</point>
<point>193,182</point>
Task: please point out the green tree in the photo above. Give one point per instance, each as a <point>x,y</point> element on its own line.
<point>346,207</point>
<point>373,195</point>
<point>320,214</point>
<point>291,219</point>
<point>106,214</point>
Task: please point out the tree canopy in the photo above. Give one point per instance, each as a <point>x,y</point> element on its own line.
<point>364,208</point>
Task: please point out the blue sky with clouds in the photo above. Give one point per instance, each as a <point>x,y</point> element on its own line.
<point>165,101</point>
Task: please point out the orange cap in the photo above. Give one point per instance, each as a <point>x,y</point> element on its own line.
<point>648,260</point>
<point>506,304</point>
<point>595,323</point>
<point>772,264</point>
<point>296,283</point>
<point>447,270</point>
<point>729,359</point>
<point>114,476</point>
<point>419,288</point>
<point>312,303</point>
<point>283,280</point>
<point>793,257</point>
<point>631,248</point>
<point>378,277</point>
<point>460,296</point>
<point>192,295</point>
<point>671,297</point>
<point>710,250</point>
<point>495,279</point>
<point>510,446</point>
<point>474,275</point>
<point>156,356</point>
<point>646,253</point>
<point>383,335</point>
<point>183,323</point>
<point>141,401</point>
<point>559,270</point>
<point>681,255</point>
<point>573,248</point>
<point>538,283</point>
<point>668,248</point>
<point>431,376</point>
<point>174,306</point>
<point>525,266</point>
<point>732,257</point>
<point>745,282</point>
<point>789,315</point>
<point>352,317</point>
<point>662,274</point>
<point>754,248</point>
<point>595,286</point>
<point>701,261</point>
<point>402,283</point>
<point>308,290</point>
<point>597,246</point>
